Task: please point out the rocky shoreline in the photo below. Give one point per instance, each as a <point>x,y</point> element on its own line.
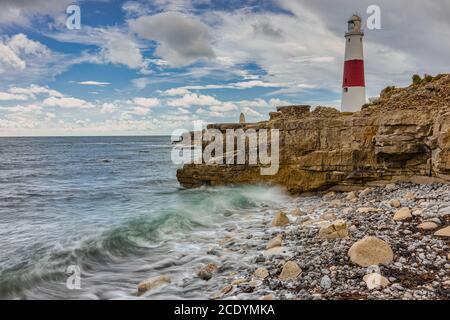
<point>326,246</point>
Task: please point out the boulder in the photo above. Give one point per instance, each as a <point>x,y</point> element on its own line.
<point>444,232</point>
<point>290,270</point>
<point>328,216</point>
<point>266,297</point>
<point>296,212</point>
<point>370,251</point>
<point>206,272</point>
<point>152,283</point>
<point>334,230</point>
<point>409,196</point>
<point>402,214</point>
<point>275,242</point>
<point>428,225</point>
<point>328,196</point>
<point>274,251</point>
<point>365,192</point>
<point>351,196</point>
<point>395,203</point>
<point>280,220</point>
<point>261,273</point>
<point>367,210</point>
<point>375,281</point>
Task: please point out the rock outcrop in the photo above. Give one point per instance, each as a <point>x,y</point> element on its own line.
<point>403,135</point>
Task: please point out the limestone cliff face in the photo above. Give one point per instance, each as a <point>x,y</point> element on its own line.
<point>404,135</point>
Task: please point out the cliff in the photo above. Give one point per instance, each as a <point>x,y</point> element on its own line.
<point>404,135</point>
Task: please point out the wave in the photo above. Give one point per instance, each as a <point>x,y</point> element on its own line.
<point>191,210</point>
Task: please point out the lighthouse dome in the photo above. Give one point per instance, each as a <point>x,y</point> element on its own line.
<point>354,23</point>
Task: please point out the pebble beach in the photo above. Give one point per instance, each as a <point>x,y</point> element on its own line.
<point>389,242</point>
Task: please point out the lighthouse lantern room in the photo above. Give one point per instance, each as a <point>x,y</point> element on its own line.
<point>353,86</point>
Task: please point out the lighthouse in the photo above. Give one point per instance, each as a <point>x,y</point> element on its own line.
<point>353,84</point>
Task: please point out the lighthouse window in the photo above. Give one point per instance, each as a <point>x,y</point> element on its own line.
<point>348,39</point>
<point>345,80</point>
<point>345,89</point>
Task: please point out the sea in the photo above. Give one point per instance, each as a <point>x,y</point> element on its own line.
<point>92,217</point>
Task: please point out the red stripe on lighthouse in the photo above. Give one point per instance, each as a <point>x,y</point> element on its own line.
<point>353,74</point>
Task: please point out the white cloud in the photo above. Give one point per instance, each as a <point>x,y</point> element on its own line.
<point>116,46</point>
<point>9,60</point>
<point>33,90</point>
<point>140,83</point>
<point>249,111</point>
<point>11,96</point>
<point>32,108</point>
<point>67,102</point>
<point>108,108</point>
<point>20,44</point>
<point>146,102</point>
<point>94,83</point>
<point>182,40</point>
<point>193,99</point>
<point>176,92</point>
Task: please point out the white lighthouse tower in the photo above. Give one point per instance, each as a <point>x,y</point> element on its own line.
<point>353,85</point>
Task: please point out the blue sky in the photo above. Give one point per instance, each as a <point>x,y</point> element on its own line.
<point>150,67</point>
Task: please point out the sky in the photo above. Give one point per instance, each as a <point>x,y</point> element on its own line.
<point>152,67</point>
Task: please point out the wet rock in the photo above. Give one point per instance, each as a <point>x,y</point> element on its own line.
<point>428,225</point>
<point>280,220</point>
<point>402,214</point>
<point>334,230</point>
<point>395,203</point>
<point>328,216</point>
<point>261,273</point>
<point>409,196</point>
<point>296,212</point>
<point>274,251</point>
<point>325,282</point>
<point>275,242</point>
<point>367,210</point>
<point>375,281</point>
<point>370,251</point>
<point>239,281</point>
<point>290,270</point>
<point>444,232</point>
<point>365,192</point>
<point>206,272</point>
<point>152,283</point>
<point>351,196</point>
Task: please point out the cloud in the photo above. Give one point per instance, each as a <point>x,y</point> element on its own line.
<point>116,46</point>
<point>193,99</point>
<point>67,102</point>
<point>32,108</point>
<point>108,108</point>
<point>14,52</point>
<point>23,60</point>
<point>11,96</point>
<point>176,92</point>
<point>94,83</point>
<point>182,40</point>
<point>146,102</point>
<point>31,92</point>
<point>34,90</point>
<point>22,13</point>
<point>140,83</point>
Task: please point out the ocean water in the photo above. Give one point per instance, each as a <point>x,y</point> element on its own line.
<point>111,206</point>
